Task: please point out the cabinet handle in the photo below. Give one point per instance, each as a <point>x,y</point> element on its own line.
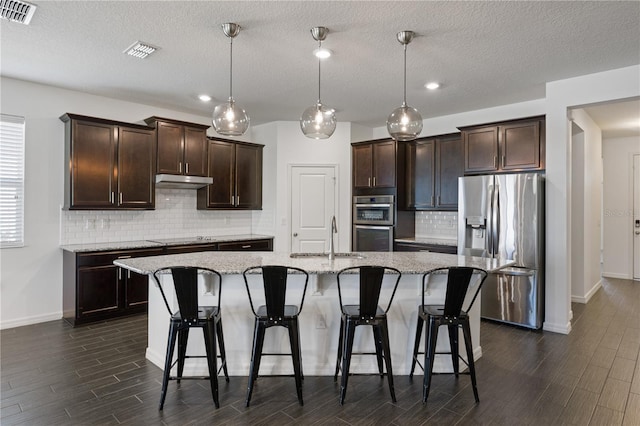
<point>438,200</point>
<point>247,246</point>
<point>186,168</point>
<point>179,166</point>
<point>129,273</point>
<point>112,197</point>
<point>232,201</point>
<point>433,201</point>
<point>120,198</point>
<point>368,181</point>
<point>374,181</point>
<point>119,273</point>
<point>503,161</point>
<point>495,161</point>
<point>237,200</point>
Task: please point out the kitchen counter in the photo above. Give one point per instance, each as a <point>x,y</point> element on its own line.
<point>160,242</point>
<point>320,317</point>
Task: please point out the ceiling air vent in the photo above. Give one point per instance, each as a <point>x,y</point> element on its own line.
<point>17,11</point>
<point>140,49</point>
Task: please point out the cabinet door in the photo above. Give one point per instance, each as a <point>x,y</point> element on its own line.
<point>362,165</point>
<point>221,168</point>
<point>449,167</point>
<point>481,150</point>
<point>248,177</point>
<point>520,146</point>
<point>93,165</point>
<point>384,164</point>
<point>136,294</point>
<point>170,148</point>
<point>195,152</point>
<point>136,149</point>
<point>98,291</point>
<point>420,174</point>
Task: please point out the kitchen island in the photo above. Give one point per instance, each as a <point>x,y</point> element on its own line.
<point>320,317</point>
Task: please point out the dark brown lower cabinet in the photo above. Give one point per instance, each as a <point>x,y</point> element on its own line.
<point>433,248</point>
<point>253,245</point>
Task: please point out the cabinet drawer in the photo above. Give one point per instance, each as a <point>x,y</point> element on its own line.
<point>191,248</point>
<point>107,257</point>
<point>433,248</point>
<point>256,245</point>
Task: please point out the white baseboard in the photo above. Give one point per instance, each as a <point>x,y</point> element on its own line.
<point>557,328</point>
<point>30,320</point>
<point>617,275</point>
<point>589,295</point>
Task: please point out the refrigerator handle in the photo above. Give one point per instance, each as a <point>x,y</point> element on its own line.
<point>495,219</point>
<point>489,226</point>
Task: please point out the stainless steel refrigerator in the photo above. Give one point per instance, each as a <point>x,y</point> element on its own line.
<point>502,216</point>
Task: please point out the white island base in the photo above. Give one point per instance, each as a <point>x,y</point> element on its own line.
<point>320,317</point>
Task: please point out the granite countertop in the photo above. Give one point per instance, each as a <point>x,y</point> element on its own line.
<point>432,241</point>
<point>160,242</point>
<point>230,263</point>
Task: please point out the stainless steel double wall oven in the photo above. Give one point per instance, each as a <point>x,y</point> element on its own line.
<point>373,222</point>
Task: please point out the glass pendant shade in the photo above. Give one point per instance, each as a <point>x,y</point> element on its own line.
<point>318,122</point>
<point>229,119</point>
<point>404,123</point>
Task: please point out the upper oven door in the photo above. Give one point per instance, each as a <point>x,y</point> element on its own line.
<point>373,213</point>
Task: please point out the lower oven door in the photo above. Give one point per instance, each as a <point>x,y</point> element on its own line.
<point>372,238</point>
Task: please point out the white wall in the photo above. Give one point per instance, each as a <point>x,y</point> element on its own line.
<point>31,276</point>
<point>293,148</point>
<point>618,206</point>
<point>560,96</point>
<point>586,233</point>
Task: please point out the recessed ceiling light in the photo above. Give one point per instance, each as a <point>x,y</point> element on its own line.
<point>140,49</point>
<point>322,53</point>
<point>204,98</point>
<point>432,86</point>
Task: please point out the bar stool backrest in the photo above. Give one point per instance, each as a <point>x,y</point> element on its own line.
<point>460,287</point>
<point>370,287</point>
<point>185,283</point>
<point>274,279</point>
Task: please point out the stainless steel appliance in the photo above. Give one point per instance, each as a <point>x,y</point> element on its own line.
<point>502,216</point>
<point>373,220</point>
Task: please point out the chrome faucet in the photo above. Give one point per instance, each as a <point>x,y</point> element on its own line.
<point>334,230</point>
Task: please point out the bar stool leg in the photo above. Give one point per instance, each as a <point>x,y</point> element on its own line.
<point>387,357</point>
<point>377,339</point>
<point>429,355</point>
<point>295,356</point>
<point>455,352</point>
<point>349,331</point>
<point>183,337</point>
<point>466,330</point>
<point>258,340</point>
<point>168,360</point>
<point>340,342</point>
<point>223,354</point>
<point>212,358</point>
<point>416,345</point>
<point>299,348</point>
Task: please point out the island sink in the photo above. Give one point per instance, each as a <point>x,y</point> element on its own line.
<point>326,255</point>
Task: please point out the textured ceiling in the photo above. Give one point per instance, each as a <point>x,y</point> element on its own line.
<point>484,53</point>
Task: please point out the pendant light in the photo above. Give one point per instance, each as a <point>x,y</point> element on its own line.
<point>405,122</point>
<point>318,121</point>
<point>229,119</point>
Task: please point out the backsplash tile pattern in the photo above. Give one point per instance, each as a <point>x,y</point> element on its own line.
<point>175,216</point>
<point>437,225</point>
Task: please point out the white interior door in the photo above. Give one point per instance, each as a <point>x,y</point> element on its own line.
<point>636,217</point>
<point>313,193</point>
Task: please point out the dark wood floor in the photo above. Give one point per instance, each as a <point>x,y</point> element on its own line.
<point>52,374</point>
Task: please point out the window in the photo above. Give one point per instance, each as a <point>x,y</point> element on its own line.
<point>11,181</point>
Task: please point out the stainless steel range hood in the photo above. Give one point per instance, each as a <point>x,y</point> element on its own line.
<point>182,182</point>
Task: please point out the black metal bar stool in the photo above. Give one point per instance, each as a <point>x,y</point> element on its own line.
<point>366,312</point>
<point>463,286</point>
<point>277,310</point>
<point>190,314</point>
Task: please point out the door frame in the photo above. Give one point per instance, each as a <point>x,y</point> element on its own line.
<point>635,275</point>
<point>336,197</point>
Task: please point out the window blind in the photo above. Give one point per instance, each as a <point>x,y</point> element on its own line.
<point>11,181</point>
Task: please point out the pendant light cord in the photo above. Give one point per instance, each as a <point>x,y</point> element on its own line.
<point>231,68</point>
<point>319,60</point>
<point>404,100</point>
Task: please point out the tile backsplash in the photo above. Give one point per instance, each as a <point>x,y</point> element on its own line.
<point>175,216</point>
<point>437,225</point>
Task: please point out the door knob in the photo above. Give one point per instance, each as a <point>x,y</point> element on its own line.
<point>637,232</point>
<point>295,234</point>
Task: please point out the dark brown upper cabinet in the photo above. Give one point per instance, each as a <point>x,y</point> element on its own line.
<point>374,164</point>
<point>236,169</point>
<point>110,165</point>
<point>505,147</point>
<point>433,167</point>
<point>182,147</point>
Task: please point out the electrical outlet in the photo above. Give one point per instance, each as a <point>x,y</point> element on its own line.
<point>90,224</point>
